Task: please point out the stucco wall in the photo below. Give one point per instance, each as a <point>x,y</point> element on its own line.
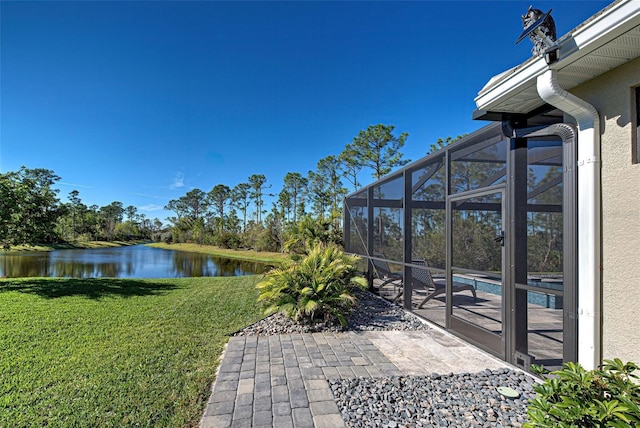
<point>611,95</point>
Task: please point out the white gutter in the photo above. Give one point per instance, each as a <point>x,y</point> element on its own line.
<point>589,218</point>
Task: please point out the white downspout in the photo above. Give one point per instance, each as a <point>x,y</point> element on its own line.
<point>589,218</point>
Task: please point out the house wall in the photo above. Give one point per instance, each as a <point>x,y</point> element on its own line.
<point>612,95</point>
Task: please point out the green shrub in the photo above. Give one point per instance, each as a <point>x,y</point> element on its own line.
<point>228,240</point>
<point>309,232</point>
<point>576,397</point>
<point>318,287</point>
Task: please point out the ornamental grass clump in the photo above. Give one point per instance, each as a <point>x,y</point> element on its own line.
<point>318,287</point>
<point>576,397</point>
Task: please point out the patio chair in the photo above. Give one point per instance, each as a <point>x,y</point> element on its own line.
<point>438,287</point>
<point>383,273</point>
<point>420,279</point>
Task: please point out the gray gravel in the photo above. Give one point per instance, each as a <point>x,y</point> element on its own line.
<point>370,313</point>
<point>451,400</point>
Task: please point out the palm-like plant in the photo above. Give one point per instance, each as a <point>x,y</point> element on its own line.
<point>318,287</point>
<point>309,232</point>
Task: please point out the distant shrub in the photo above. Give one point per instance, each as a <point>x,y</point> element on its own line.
<point>227,240</point>
<point>84,237</point>
<point>166,237</point>
<point>309,231</point>
<point>576,397</point>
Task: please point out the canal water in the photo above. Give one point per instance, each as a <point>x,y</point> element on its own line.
<point>137,261</point>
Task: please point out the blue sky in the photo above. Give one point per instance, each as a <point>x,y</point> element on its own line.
<point>140,102</point>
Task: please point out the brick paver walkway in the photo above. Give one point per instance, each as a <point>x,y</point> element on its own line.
<point>281,381</point>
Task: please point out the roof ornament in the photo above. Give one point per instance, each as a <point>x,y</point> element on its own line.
<point>541,29</point>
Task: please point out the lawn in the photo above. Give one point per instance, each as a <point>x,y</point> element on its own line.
<point>115,352</point>
<point>72,245</point>
<point>261,256</point>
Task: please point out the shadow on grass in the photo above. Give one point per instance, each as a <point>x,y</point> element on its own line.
<point>93,288</point>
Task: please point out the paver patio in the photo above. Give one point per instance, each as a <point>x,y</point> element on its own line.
<point>281,380</point>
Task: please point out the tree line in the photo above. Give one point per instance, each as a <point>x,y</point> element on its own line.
<point>306,205</point>
<point>31,213</point>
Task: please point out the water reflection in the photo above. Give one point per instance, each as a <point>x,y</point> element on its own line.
<point>123,262</point>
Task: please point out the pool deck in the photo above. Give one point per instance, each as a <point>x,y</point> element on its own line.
<point>282,380</point>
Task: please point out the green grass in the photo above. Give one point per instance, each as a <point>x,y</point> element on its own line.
<point>72,245</point>
<point>115,352</point>
<point>260,256</point>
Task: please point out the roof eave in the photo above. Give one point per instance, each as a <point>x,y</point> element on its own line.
<point>598,30</point>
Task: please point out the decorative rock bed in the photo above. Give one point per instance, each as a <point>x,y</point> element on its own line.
<point>371,313</point>
<point>454,400</point>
